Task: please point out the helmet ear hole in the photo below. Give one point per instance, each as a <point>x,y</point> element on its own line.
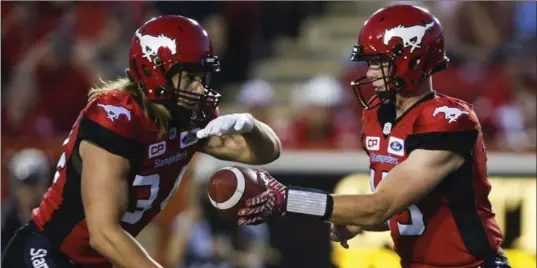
<point>397,50</point>
<point>399,83</point>
<point>441,66</point>
<point>413,63</point>
<point>147,71</point>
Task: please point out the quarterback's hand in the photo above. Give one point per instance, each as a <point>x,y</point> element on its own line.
<point>227,125</point>
<point>342,233</point>
<point>270,203</point>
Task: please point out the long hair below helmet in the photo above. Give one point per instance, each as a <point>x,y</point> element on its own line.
<point>166,46</point>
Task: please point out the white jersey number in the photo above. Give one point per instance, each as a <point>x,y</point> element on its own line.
<point>142,205</point>
<point>409,221</point>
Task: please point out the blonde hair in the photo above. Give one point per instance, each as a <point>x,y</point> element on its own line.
<point>162,115</point>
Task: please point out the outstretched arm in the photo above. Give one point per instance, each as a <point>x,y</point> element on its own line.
<point>240,138</point>
<point>404,185</point>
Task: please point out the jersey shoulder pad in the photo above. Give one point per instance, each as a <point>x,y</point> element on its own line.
<point>118,112</point>
<point>446,114</point>
<point>369,115</point>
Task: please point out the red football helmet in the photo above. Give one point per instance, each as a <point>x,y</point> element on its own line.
<point>409,40</point>
<point>165,46</point>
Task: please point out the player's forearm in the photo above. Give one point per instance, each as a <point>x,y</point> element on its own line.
<point>356,229</point>
<point>376,228</point>
<point>121,249</point>
<point>364,210</point>
<point>263,144</point>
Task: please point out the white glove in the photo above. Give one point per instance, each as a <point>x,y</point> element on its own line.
<point>227,125</point>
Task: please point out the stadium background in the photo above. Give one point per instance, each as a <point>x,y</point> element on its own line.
<point>286,63</point>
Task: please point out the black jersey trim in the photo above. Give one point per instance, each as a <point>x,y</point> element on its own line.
<point>110,141</point>
<point>461,196</point>
<point>385,115</point>
<point>459,142</point>
<point>70,211</point>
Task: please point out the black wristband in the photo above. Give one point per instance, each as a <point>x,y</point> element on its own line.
<point>329,208</point>
<point>309,202</point>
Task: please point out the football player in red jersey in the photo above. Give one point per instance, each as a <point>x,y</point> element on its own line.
<point>427,158</point>
<point>126,153</point>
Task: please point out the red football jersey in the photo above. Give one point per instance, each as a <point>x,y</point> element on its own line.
<point>116,122</point>
<point>454,225</point>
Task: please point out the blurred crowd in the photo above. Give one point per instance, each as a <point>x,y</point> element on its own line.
<point>52,52</point>
<point>492,51</point>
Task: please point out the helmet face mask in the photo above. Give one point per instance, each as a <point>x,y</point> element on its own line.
<point>406,39</point>
<point>175,47</point>
<point>191,95</point>
<point>364,88</point>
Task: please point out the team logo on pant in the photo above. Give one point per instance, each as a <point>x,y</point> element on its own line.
<point>38,258</point>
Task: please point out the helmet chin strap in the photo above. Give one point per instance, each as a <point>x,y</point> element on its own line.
<point>387,111</point>
<point>388,95</point>
<point>182,116</point>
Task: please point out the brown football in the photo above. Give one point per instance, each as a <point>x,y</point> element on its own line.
<point>230,187</point>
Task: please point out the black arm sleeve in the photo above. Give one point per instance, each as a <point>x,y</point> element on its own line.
<point>110,141</point>
<point>460,142</point>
